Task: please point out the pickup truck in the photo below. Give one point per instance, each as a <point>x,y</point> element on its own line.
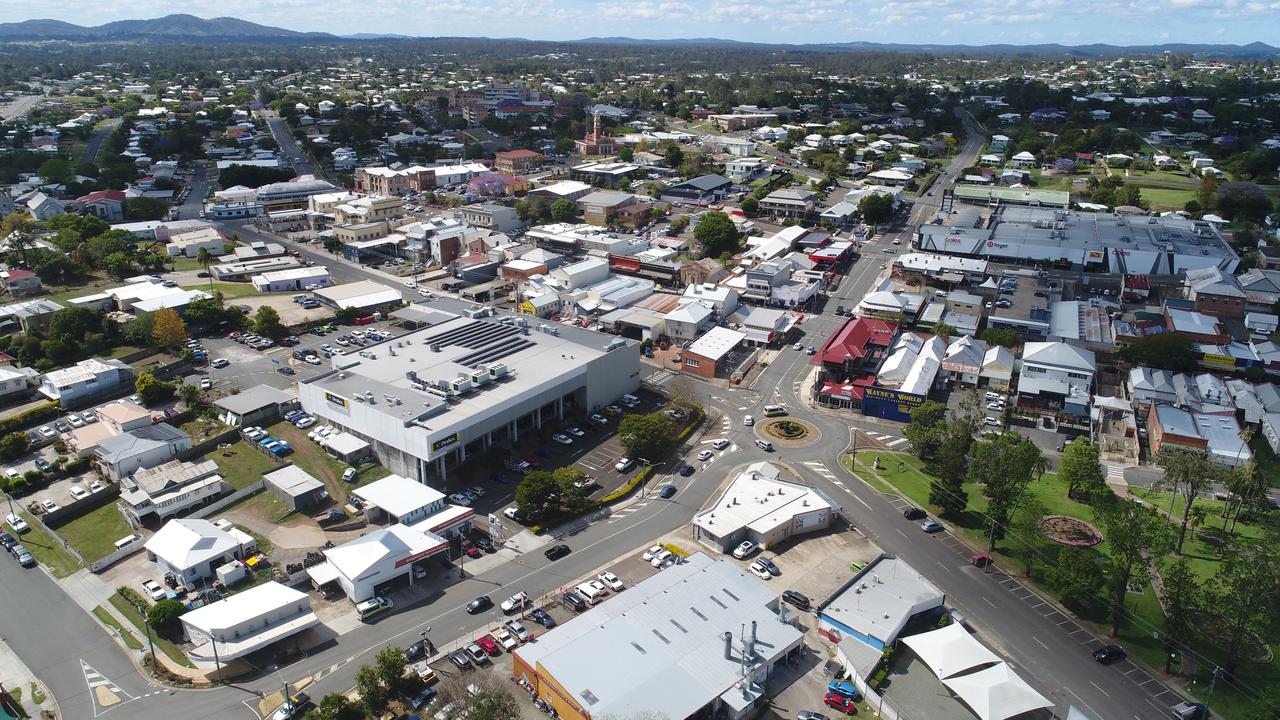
<point>504,638</point>
<point>421,671</point>
<point>330,516</point>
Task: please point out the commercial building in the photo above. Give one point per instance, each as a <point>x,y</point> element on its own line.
<point>699,639</point>
<point>258,405</point>
<point>565,189</point>
<point>607,207</point>
<point>491,216</point>
<point>246,622</point>
<point>709,355</point>
<point>361,295</point>
<point>1100,242</point>
<point>790,203</point>
<point>292,279</point>
<point>235,270</point>
<point>429,399</point>
<point>193,549</point>
<point>295,487</point>
<point>704,190</point>
<point>1056,376</point>
<point>517,162</point>
<point>189,244</point>
<point>758,505</point>
<point>866,615</point>
<point>363,565</point>
<point>1217,435</point>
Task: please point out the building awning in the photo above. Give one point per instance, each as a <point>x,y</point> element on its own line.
<point>996,693</point>
<point>950,650</point>
<point>323,574</point>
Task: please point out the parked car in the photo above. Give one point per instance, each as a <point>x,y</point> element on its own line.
<point>914,513</point>
<point>662,558</point>
<point>575,602</point>
<point>460,660</point>
<point>845,688</point>
<point>555,552</point>
<point>515,602</point>
<point>154,589</point>
<point>50,506</point>
<point>488,645</point>
<point>541,617</point>
<point>840,702</point>
<point>1109,654</point>
<point>16,523</point>
<point>760,571</point>
<point>613,582</point>
<point>744,549</point>
<point>797,599</point>
<point>562,439</point>
<point>517,630</point>
<point>599,419</point>
<point>931,526</point>
<point>575,431</point>
<point>78,493</point>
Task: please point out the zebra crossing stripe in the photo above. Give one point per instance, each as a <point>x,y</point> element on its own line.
<point>895,443</point>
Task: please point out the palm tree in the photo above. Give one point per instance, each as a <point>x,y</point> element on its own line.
<point>206,261</point>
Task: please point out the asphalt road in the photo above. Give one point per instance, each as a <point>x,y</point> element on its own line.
<point>19,107</point>
<point>288,146</point>
<point>95,141</point>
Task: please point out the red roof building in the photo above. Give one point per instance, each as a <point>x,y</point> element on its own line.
<point>105,204</point>
<point>516,162</point>
<point>858,346</point>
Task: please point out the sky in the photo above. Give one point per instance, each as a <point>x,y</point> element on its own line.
<point>974,22</point>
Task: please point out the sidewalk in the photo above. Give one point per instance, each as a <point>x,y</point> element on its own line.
<point>17,678</point>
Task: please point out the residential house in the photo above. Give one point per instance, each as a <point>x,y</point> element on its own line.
<point>42,207</point>
<point>140,448</point>
<point>86,379</point>
<point>1023,159</point>
<point>168,489</point>
<point>189,244</point>
<point>997,368</point>
<point>741,170</point>
<point>607,207</point>
<point>105,204</point>
<point>194,549</point>
<point>20,283</point>
<point>1056,376</point>
<point>963,360</point>
<point>999,143</point>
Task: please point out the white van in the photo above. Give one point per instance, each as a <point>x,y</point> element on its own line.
<point>764,445</point>
<point>372,606</point>
<point>588,593</point>
<point>629,400</point>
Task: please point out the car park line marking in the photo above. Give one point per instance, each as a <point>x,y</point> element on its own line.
<point>1133,670</point>
<point>1064,622</point>
<point>1033,637</point>
<point>944,567</point>
<point>984,599</point>
<point>1104,692</point>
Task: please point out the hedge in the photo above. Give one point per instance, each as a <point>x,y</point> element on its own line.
<point>29,417</point>
<point>626,489</point>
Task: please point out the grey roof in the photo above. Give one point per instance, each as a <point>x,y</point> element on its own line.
<point>667,631</point>
<point>880,599</point>
<point>293,480</point>
<point>706,182</point>
<point>607,198</point>
<point>172,474</point>
<point>139,440</point>
<point>255,398</point>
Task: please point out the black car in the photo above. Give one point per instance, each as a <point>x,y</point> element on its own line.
<point>299,354</point>
<point>667,492</point>
<point>575,602</point>
<point>555,552</point>
<point>483,542</point>
<point>7,540</point>
<point>769,565</point>
<point>914,513</point>
<point>424,698</point>
<point>686,470</point>
<point>416,651</point>
<point>480,604</point>
<point>1109,654</point>
<point>799,600</point>
<point>541,617</point>
<point>285,370</point>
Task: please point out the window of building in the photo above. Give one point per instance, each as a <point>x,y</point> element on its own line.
<point>691,362</point>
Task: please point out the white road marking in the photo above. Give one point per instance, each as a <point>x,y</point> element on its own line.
<point>1033,637</point>
<point>984,598</point>
<point>1104,692</point>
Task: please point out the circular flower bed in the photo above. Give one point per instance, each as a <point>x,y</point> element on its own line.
<point>1066,530</point>
<point>790,431</point>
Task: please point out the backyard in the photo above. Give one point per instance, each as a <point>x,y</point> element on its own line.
<point>904,474</point>
<point>47,550</point>
<point>94,534</point>
<point>242,465</point>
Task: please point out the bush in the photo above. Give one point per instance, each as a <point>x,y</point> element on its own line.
<point>77,466</point>
<point>27,418</point>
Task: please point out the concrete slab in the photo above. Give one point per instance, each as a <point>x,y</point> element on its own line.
<point>297,537</point>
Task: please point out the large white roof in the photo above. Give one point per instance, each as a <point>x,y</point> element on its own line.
<point>188,542</point>
<point>760,500</point>
<point>398,495</point>
<point>355,558</point>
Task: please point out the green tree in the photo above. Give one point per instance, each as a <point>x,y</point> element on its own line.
<point>927,428</point>
<point>680,223</point>
<point>390,665</point>
<point>145,208</point>
<point>373,696</point>
<point>1031,544</point>
<point>334,706</point>
<point>56,170</point>
<point>875,208</point>
<point>1133,534</point>
<point>163,616</point>
<point>492,702</point>
<point>538,495</point>
<point>1129,195</point>
<point>947,491</point>
<point>151,389</point>
<point>1004,337</point>
<point>944,330</point>
<point>564,210</point>
<point>650,436</point>
<point>1246,490</point>
<point>167,328</point>
<point>1243,593</point>
<point>674,156</point>
<point>1207,195</point>
<point>749,205</point>
<point>1076,576</point>
<point>1004,466</point>
<point>266,321</point>
<point>1082,471</point>
<point>14,445</point>
<point>1183,600</point>
<point>1186,474</point>
<point>118,265</point>
<point>205,258</point>
<point>717,234</point>
<point>1167,351</point>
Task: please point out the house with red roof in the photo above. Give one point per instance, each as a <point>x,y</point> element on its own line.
<point>20,283</point>
<point>856,349</point>
<point>105,204</point>
<point>517,162</point>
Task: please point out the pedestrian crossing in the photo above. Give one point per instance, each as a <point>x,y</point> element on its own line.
<point>660,377</point>
<point>889,441</point>
<point>1115,473</point>
<point>105,693</point>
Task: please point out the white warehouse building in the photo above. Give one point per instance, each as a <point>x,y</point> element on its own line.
<point>428,400</point>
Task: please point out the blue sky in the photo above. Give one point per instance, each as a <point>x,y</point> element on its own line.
<point>1122,22</point>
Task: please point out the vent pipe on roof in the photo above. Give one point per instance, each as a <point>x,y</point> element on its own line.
<point>728,645</point>
<point>751,646</point>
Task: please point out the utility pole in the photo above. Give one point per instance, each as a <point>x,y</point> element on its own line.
<point>216,662</point>
<point>1209,696</point>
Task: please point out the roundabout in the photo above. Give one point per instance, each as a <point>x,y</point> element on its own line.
<point>789,432</point>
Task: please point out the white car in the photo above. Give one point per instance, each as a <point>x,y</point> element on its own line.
<point>75,420</point>
<point>624,465</point>
<point>18,524</point>
<point>349,474</point>
<point>748,421</point>
<point>744,549</point>
<point>78,492</point>
<point>647,556</point>
<point>611,580</point>
<point>220,363</point>
<point>343,342</point>
<point>797,346</point>
<point>48,432</point>
<point>311,360</point>
<point>515,602</point>
<point>991,421</point>
<point>205,383</point>
<point>760,571</point>
<point>306,422</point>
<point>410,284</point>
<point>575,431</point>
<point>50,506</point>
<point>599,419</point>
<point>154,589</point>
<point>95,486</point>
<point>720,443</point>
<point>89,416</point>
<point>505,639</point>
<point>516,628</point>
<point>511,512</point>
<point>562,439</point>
<point>460,499</point>
<point>661,558</point>
<point>706,455</point>
<point>425,293</point>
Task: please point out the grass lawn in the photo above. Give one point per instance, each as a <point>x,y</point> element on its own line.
<point>1161,198</point>
<point>121,350</point>
<point>1138,636</point>
<point>241,465</point>
<point>126,608</point>
<point>47,550</point>
<point>110,620</point>
<point>181,264</point>
<point>265,505</point>
<point>229,290</point>
<point>86,286</point>
<point>94,534</point>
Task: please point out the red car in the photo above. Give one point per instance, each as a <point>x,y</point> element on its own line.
<point>532,461</point>
<point>841,703</point>
<point>488,645</point>
<point>471,550</point>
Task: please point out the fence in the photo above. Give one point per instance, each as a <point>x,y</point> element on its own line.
<point>229,435</point>
<point>121,553</point>
<point>219,505</point>
<point>76,508</point>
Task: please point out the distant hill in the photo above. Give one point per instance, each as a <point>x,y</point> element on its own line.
<point>378,36</point>
<point>169,27</point>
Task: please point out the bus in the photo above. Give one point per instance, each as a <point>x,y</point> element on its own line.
<point>774,410</point>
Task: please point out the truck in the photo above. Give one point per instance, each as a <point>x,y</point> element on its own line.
<point>422,671</point>
<point>504,638</point>
<point>330,516</point>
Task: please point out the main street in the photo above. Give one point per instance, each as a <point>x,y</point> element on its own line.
<point>289,149</point>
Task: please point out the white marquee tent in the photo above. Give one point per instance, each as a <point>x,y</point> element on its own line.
<point>996,693</point>
<point>950,651</point>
